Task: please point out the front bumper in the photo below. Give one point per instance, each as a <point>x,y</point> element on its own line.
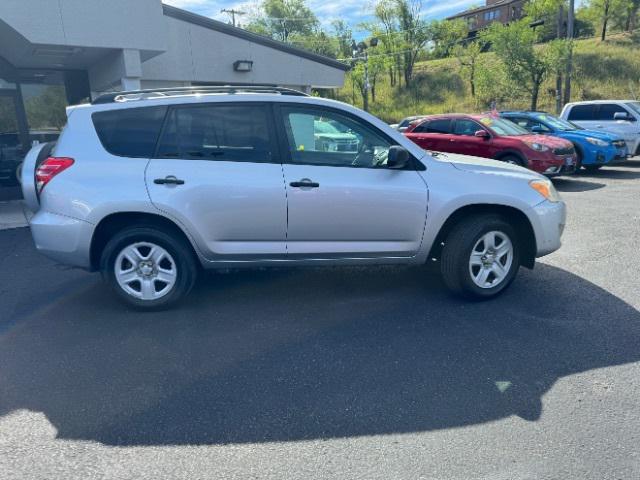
<point>61,238</point>
<point>548,220</point>
<point>552,165</point>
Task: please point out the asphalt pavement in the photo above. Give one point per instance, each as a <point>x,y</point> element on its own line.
<point>373,373</point>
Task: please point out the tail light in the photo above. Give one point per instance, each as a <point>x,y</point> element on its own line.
<point>48,169</point>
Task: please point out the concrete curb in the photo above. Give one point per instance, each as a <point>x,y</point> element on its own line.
<point>13,214</point>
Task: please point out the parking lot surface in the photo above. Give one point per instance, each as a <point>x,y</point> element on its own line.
<point>334,373</point>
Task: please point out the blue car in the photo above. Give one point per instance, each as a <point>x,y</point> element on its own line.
<point>594,149</point>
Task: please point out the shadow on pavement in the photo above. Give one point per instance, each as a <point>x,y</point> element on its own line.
<point>574,185</point>
<point>609,172</point>
<point>262,356</point>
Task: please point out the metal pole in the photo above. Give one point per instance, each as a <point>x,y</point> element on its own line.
<point>567,79</point>
<point>559,73</point>
<point>366,82</point>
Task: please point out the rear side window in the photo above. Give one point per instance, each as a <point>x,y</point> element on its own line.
<point>239,133</point>
<point>582,112</point>
<point>131,132</point>
<point>434,126</point>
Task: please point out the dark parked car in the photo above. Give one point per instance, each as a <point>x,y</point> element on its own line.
<point>490,136</point>
<point>12,152</point>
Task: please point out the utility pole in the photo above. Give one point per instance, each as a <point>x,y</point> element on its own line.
<point>567,79</point>
<point>560,34</point>
<point>359,53</point>
<point>233,13</point>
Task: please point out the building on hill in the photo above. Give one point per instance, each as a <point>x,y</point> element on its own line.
<point>503,11</point>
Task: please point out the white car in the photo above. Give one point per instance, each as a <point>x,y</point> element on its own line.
<point>149,187</point>
<point>621,117</point>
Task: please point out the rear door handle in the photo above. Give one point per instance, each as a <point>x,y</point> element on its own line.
<point>305,183</point>
<point>168,180</point>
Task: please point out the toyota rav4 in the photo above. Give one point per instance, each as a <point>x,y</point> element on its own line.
<point>150,187</point>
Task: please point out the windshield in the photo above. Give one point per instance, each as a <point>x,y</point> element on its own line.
<point>635,106</point>
<point>502,127</point>
<point>555,122</point>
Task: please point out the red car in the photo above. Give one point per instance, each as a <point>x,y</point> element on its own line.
<point>494,137</point>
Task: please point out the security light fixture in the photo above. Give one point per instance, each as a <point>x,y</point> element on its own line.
<point>243,65</point>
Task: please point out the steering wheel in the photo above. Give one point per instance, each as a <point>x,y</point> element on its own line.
<point>364,155</point>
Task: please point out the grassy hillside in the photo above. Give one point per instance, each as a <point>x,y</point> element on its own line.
<point>609,69</point>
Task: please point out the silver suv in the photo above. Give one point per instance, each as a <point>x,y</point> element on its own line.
<point>149,187</point>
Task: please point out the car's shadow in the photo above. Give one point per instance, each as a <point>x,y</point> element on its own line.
<point>304,354</point>
<point>572,184</point>
<point>610,173</point>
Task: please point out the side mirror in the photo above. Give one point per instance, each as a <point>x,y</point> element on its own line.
<point>398,157</point>
<point>537,129</point>
<point>482,134</point>
<point>622,116</point>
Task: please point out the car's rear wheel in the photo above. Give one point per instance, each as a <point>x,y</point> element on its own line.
<point>147,268</point>
<point>481,257</point>
<point>592,168</point>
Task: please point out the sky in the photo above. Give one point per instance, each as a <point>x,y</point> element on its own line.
<point>352,11</point>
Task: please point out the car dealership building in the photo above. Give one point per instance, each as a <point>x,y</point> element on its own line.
<point>59,52</point>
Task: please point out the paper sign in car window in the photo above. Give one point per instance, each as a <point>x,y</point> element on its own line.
<point>486,121</point>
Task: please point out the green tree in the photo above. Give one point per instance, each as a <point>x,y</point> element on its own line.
<point>375,66</point>
<point>469,57</point>
<point>445,35</point>
<point>343,36</point>
<point>414,33</point>
<point>527,65</point>
<point>391,41</point>
<point>608,13</point>
<point>283,18</point>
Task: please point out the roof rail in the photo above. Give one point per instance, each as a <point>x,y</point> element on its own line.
<point>113,97</point>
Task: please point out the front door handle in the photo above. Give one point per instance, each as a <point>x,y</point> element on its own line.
<point>305,183</point>
<point>168,180</point>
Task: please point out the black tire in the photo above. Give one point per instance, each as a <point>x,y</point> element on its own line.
<point>578,159</point>
<point>178,249</point>
<point>457,250</point>
<point>592,168</point>
<point>513,159</point>
<point>18,174</point>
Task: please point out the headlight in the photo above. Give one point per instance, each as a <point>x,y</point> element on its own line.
<point>597,141</point>
<point>546,189</point>
<point>538,147</point>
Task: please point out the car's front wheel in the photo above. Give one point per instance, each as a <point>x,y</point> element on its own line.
<point>481,256</point>
<point>148,268</point>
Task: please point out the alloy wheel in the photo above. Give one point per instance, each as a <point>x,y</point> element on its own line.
<point>145,270</point>
<point>490,260</point>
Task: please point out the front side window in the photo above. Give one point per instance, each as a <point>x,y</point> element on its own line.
<point>239,133</point>
<point>129,132</point>
<point>466,127</point>
<point>324,137</point>
<point>608,110</point>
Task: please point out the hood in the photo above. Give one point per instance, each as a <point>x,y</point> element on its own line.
<point>486,166</point>
<point>610,137</point>
<point>547,140</point>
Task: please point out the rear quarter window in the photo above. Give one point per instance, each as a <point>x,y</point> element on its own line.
<point>130,132</point>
